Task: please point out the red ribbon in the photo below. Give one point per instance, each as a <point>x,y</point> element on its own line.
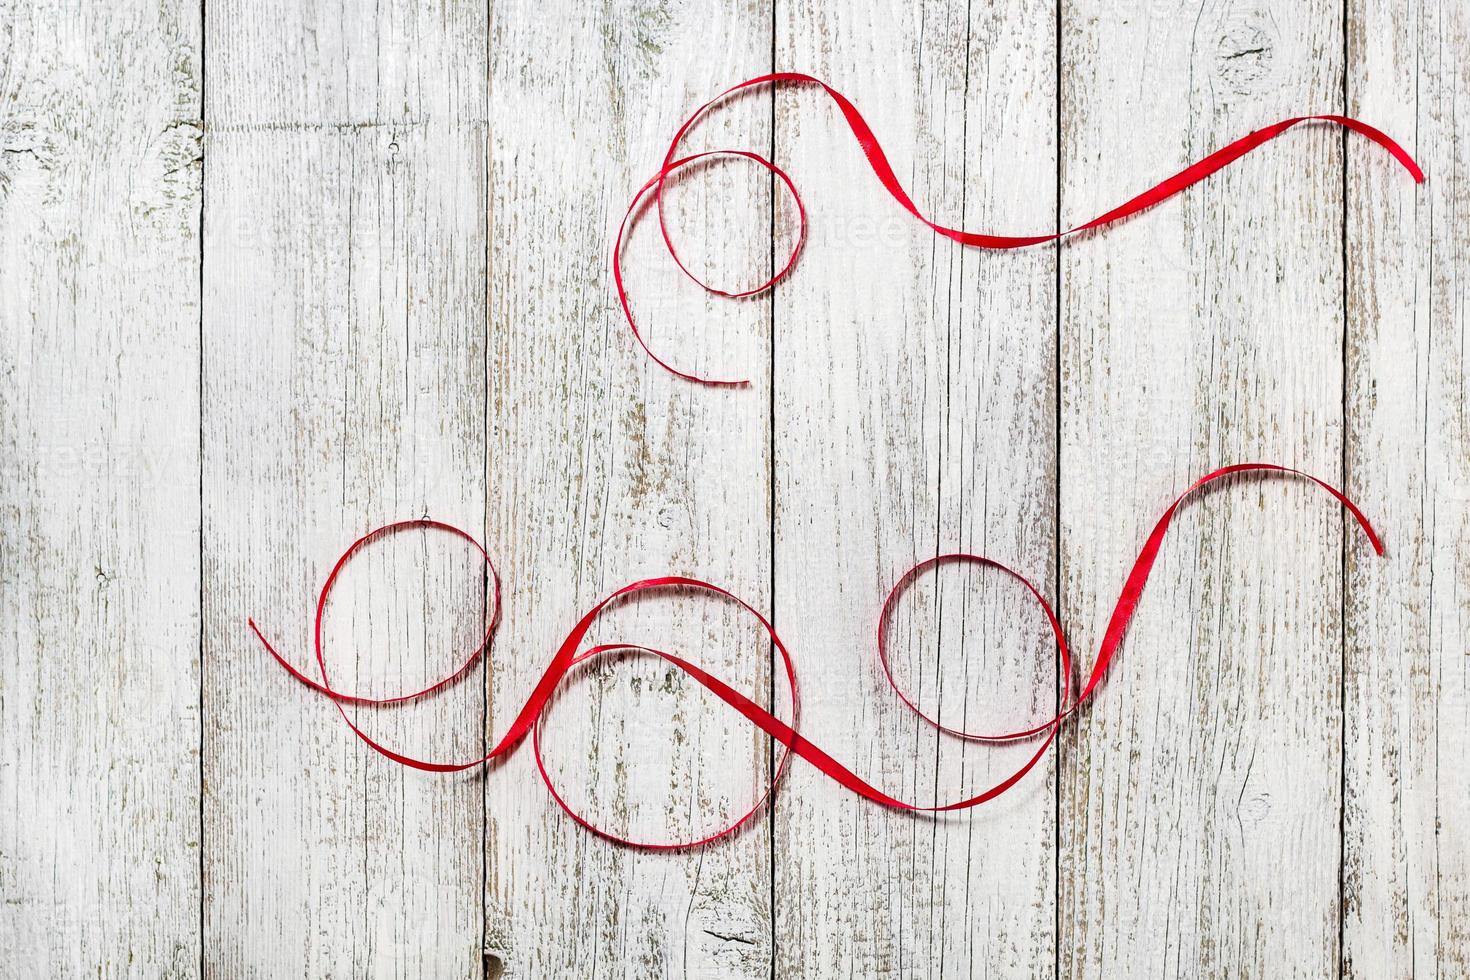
<point>567,656</point>
<point>529,719</point>
<point>878,161</point>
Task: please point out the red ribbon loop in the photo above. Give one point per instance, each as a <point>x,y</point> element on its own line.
<point>878,161</point>
<point>566,657</point>
<point>530,717</point>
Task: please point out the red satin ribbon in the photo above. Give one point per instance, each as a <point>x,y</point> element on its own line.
<point>529,719</point>
<point>878,161</point>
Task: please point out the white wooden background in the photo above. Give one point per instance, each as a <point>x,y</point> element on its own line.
<point>273,272</point>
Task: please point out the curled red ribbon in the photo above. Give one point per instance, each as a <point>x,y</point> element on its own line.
<point>529,719</point>
<point>567,656</point>
<point>878,161</point>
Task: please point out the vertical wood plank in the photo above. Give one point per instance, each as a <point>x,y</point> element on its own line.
<point>99,489</point>
<point>1406,878</point>
<point>915,407</point>
<point>344,388</point>
<point>604,469</point>
<point>1201,789</point>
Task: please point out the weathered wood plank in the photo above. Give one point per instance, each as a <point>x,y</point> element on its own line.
<point>603,469</point>
<point>99,489</point>
<point>344,388</point>
<point>352,214</point>
<point>1406,878</point>
<point>915,411</point>
<point>1200,790</point>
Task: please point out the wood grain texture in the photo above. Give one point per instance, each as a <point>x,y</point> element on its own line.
<point>1406,874</point>
<point>344,388</point>
<point>275,273</point>
<point>99,489</point>
<point>1199,813</point>
<point>914,407</point>
<point>604,469</point>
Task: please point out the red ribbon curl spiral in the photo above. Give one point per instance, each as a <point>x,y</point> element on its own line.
<point>878,161</point>
<point>569,654</point>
